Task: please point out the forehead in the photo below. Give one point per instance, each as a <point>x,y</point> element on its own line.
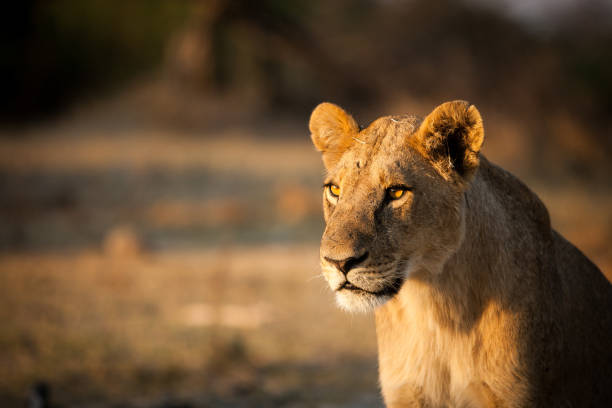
<point>381,148</point>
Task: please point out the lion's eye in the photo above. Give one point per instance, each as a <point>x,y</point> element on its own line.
<point>334,190</point>
<point>395,193</point>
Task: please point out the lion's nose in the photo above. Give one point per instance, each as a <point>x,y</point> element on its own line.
<point>345,265</point>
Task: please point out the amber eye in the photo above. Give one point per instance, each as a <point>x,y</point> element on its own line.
<point>395,193</point>
<point>334,190</point>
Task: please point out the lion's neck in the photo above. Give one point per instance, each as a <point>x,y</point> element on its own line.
<point>456,296</point>
<point>427,332</point>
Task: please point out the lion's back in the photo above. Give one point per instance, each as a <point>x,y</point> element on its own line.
<point>566,301</point>
<point>585,306</point>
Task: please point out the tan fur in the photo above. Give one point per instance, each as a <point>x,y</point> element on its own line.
<point>332,131</point>
<point>478,302</point>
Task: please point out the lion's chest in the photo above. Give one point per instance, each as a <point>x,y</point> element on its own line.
<point>418,358</point>
<point>440,367</point>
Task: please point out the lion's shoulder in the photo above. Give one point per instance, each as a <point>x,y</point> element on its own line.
<point>524,212</point>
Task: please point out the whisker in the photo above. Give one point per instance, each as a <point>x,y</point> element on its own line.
<point>319,275</point>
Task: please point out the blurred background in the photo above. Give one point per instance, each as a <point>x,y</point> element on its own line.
<point>160,197</point>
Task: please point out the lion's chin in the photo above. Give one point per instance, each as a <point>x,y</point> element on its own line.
<point>359,301</point>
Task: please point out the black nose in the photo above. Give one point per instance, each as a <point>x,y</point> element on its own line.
<point>345,265</point>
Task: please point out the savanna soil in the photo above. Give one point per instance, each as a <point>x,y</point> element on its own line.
<point>173,267</point>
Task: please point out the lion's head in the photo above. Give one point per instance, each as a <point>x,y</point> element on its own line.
<point>393,197</point>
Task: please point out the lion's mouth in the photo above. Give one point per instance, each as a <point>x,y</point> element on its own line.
<point>349,286</point>
<point>389,290</point>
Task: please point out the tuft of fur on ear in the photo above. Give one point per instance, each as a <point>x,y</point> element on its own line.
<point>451,137</point>
<point>332,131</point>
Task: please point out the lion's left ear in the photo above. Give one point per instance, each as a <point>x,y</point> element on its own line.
<point>451,137</point>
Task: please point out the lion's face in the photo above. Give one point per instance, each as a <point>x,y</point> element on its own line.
<point>392,206</point>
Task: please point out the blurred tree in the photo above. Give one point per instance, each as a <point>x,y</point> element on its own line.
<point>56,51</point>
<point>267,45</point>
<point>288,55</point>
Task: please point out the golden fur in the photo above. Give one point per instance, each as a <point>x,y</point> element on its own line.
<point>478,301</point>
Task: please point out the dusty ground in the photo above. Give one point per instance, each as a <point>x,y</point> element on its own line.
<point>231,324</point>
<point>166,268</point>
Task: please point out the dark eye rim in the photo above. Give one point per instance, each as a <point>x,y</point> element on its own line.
<point>328,186</point>
<point>401,187</point>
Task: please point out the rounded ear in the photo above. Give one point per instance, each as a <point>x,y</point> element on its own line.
<point>332,131</point>
<point>451,137</point>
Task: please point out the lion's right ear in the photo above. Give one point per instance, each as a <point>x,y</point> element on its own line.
<point>332,131</point>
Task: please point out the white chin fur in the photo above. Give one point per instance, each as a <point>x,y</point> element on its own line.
<point>359,302</point>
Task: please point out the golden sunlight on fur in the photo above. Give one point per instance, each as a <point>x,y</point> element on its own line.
<point>478,301</point>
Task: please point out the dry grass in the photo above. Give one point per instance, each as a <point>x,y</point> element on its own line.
<point>172,323</point>
<point>160,267</point>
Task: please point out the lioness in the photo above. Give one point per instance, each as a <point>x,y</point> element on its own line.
<point>478,301</point>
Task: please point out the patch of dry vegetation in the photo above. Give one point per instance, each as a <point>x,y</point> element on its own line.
<point>170,323</point>
<point>133,269</point>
